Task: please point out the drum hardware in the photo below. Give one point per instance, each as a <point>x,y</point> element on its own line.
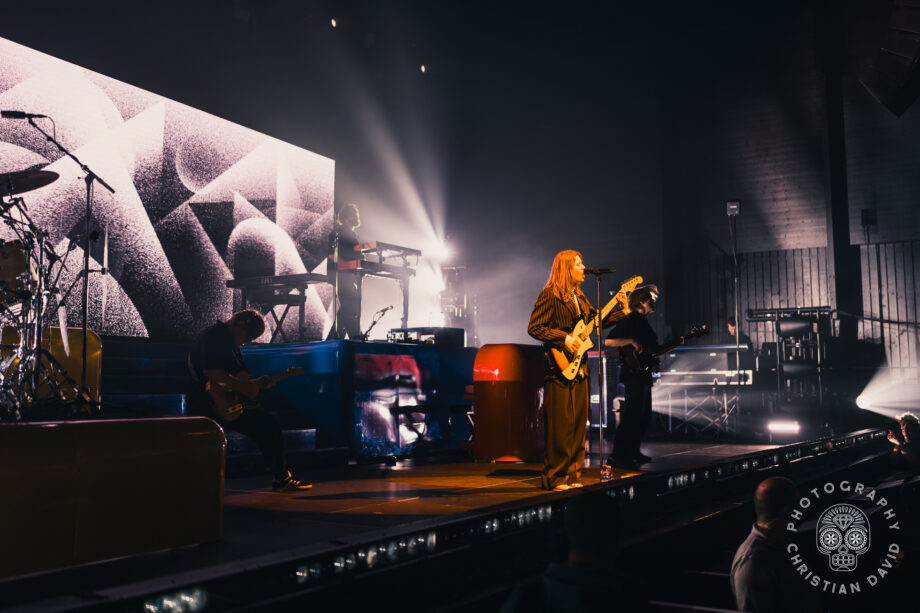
<point>90,179</point>
<point>30,271</point>
<point>22,181</point>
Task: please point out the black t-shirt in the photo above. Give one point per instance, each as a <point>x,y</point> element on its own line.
<point>743,339</point>
<point>348,240</point>
<point>214,349</point>
<point>636,327</point>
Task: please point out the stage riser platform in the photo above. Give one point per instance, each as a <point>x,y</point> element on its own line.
<point>79,492</point>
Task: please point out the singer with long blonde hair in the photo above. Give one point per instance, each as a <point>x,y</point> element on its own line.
<point>559,307</point>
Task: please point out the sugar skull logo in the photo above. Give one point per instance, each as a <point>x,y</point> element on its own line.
<point>843,535</point>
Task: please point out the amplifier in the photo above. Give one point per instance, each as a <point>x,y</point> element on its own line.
<point>444,337</point>
<point>614,387</point>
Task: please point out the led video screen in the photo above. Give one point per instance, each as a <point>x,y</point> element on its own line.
<point>198,200</point>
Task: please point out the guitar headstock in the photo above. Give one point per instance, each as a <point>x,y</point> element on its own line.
<point>698,331</point>
<point>629,285</point>
<point>294,371</point>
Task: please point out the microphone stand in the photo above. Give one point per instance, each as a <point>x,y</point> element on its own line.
<point>733,230</point>
<point>377,317</point>
<point>90,178</point>
<point>335,280</point>
<point>601,362</point>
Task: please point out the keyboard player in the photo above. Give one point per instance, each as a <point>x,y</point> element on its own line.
<point>347,283</point>
<point>744,342</point>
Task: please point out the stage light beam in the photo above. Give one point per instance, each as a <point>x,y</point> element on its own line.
<point>890,394</point>
<point>441,251</point>
<point>783,427</point>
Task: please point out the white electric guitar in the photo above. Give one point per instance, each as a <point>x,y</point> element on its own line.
<point>569,362</point>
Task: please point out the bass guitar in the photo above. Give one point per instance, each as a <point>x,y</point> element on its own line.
<point>638,363</point>
<point>230,404</point>
<point>569,362</point>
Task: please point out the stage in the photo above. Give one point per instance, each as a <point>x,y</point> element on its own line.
<point>359,500</point>
<point>377,517</point>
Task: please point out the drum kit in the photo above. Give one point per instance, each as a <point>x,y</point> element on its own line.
<point>32,378</point>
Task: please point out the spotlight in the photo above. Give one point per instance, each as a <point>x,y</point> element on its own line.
<point>441,251</point>
<point>423,68</point>
<point>333,22</point>
<point>862,401</point>
<point>783,427</point>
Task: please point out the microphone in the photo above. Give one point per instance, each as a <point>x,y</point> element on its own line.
<point>19,115</point>
<point>599,271</point>
<point>385,309</point>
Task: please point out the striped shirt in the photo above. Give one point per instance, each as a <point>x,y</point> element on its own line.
<point>552,319</point>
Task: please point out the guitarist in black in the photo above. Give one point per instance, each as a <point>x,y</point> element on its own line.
<point>215,359</point>
<point>559,307</point>
<point>636,413</point>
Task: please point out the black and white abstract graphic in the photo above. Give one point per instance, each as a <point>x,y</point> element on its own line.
<point>198,200</point>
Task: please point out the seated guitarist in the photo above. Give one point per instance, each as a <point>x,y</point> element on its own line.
<point>559,307</point>
<point>636,413</point>
<point>215,360</point>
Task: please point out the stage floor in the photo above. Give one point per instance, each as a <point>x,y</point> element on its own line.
<point>351,500</point>
<point>348,504</point>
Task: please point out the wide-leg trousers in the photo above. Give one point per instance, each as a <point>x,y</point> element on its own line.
<point>565,405</point>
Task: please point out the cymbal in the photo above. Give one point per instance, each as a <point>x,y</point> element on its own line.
<point>25,181</point>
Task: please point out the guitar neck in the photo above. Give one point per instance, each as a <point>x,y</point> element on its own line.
<point>279,377</point>
<point>671,345</point>
<point>668,347</point>
<point>273,379</point>
<point>604,312</point>
<point>609,306</point>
